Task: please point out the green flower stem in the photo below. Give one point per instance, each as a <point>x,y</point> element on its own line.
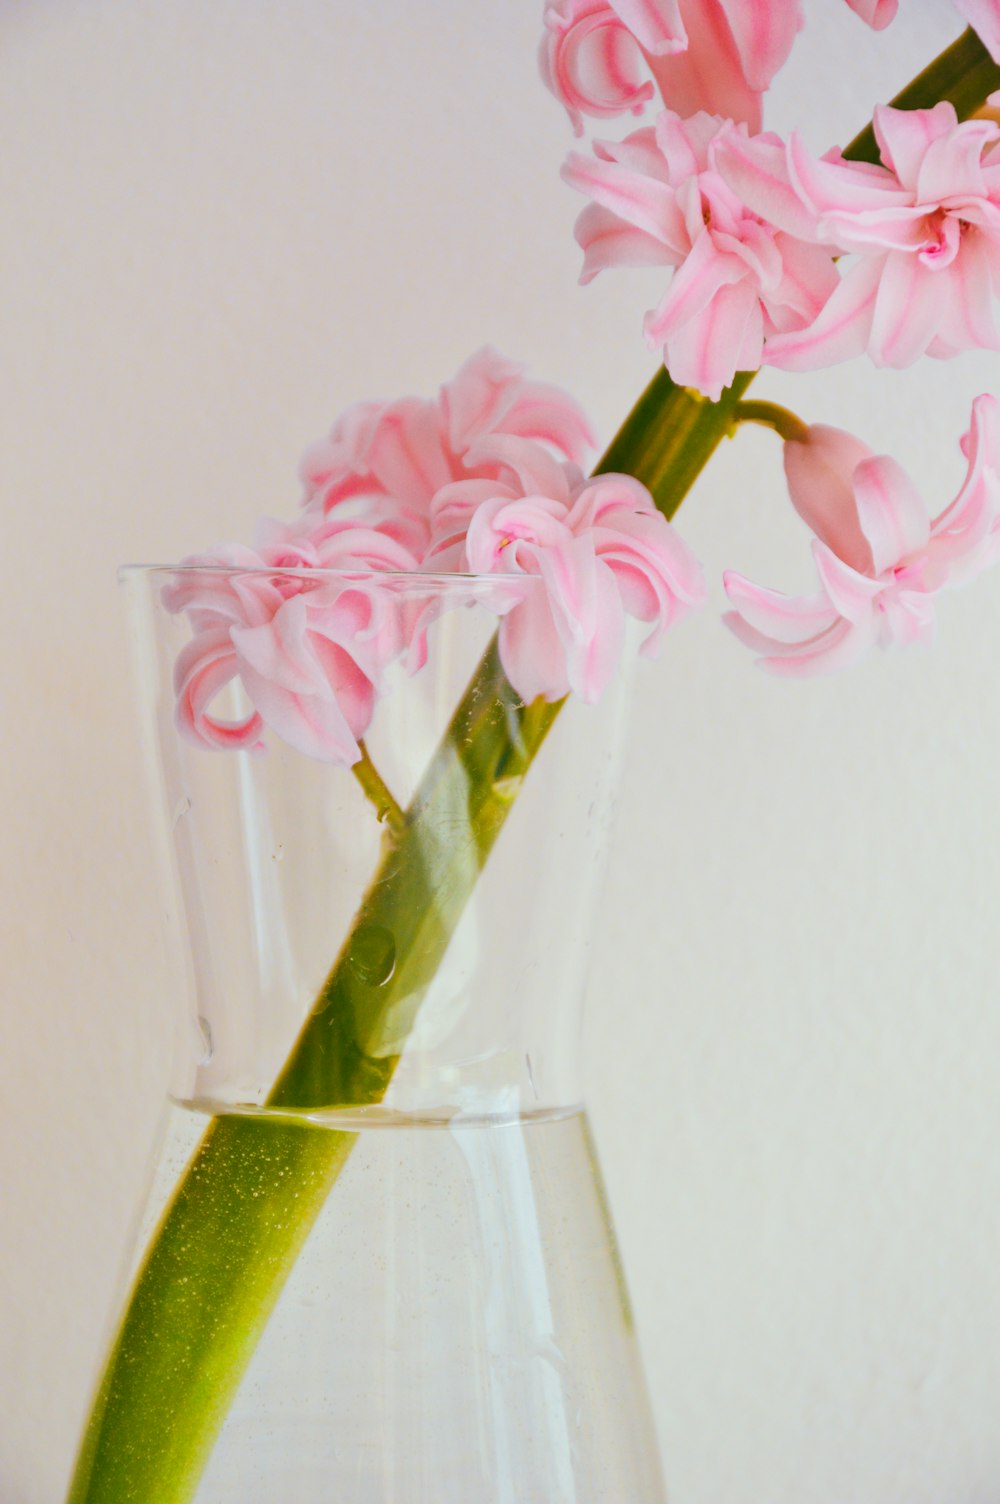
<point>788,425</point>
<point>377,790</point>
<point>243,1208</point>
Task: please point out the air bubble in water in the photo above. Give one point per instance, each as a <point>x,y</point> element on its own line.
<point>373,955</point>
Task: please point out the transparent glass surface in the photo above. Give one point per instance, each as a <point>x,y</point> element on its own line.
<point>456,1330</point>
<point>389,1016</point>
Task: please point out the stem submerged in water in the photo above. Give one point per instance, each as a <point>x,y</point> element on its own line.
<point>229,1238</point>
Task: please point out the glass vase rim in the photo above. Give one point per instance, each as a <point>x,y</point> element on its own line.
<point>355,574</point>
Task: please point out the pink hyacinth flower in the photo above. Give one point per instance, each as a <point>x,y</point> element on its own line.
<point>880,559</point>
<point>739,282</point>
<point>384,462</point>
<point>592,553</point>
<point>309,651</point>
<point>923,229</point>
<point>713,55</point>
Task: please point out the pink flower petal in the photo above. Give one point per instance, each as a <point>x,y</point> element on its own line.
<point>878,13</point>
<point>725,337</point>
<point>830,185</point>
<point>531,651</point>
<point>692,289</point>
<point>655,24</point>
<point>891,512</point>
<point>607,241</point>
<point>907,311</point>
<point>820,474</point>
<point>406,454</point>
<point>904,137</point>
<point>763,31</point>
<point>590,61</point>
<point>965,311</point>
<point>952,168</point>
<point>635,198</point>
<point>757,171</point>
<point>524,464</point>
<point>776,618</point>
<point>204,666</point>
<point>711,74</point>
<point>850,592</point>
<point>958,533</point>
<point>842,329</point>
<point>492,395</point>
<point>842,646</point>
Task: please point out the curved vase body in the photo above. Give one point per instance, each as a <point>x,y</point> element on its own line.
<point>377,1266</point>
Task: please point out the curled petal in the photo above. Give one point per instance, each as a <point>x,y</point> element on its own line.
<point>504,536</point>
<point>774,617</point>
<point>849,592</point>
<point>842,329</point>
<point>306,687</point>
<point>891,512</point>
<point>204,666</point>
<point>607,241</point>
<point>591,62</point>
<point>841,646</point>
<point>635,198</point>
<point>904,136</point>
<point>523,464</point>
<point>960,535</point>
<point>795,637</point>
<point>952,167</point>
<point>658,577</point>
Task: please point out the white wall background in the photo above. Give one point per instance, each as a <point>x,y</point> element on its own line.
<point>220,224</point>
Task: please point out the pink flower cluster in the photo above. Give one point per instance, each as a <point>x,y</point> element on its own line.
<point>920,235</point>
<point>738,281</point>
<point>880,558</point>
<point>713,55</point>
<point>776,257</point>
<point>483,479</point>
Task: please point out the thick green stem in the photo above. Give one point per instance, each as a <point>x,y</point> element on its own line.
<point>245,1205</point>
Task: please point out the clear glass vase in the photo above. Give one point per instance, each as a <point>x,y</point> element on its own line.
<point>377,1265</point>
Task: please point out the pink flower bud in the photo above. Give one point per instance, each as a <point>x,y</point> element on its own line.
<point>820,473</point>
